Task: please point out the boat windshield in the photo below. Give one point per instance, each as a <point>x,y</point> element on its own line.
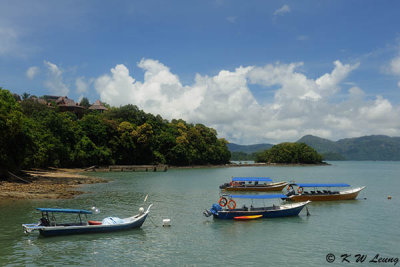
<point>251,179</point>
<point>322,185</point>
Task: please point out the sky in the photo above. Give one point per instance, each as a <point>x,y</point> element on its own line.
<point>256,71</point>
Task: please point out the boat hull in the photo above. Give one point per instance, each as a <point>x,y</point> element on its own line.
<point>260,188</point>
<point>271,212</point>
<point>344,195</point>
<point>85,229</point>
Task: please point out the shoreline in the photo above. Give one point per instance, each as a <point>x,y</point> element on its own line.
<point>234,165</point>
<point>61,183</point>
<point>52,183</point>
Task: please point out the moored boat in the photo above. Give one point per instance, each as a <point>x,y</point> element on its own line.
<point>48,225</point>
<point>321,192</point>
<point>226,209</point>
<point>262,184</point>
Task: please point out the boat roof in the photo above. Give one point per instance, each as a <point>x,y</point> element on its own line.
<point>321,185</point>
<point>64,210</point>
<point>270,196</point>
<point>251,179</point>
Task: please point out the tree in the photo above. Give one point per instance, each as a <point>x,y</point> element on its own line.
<point>290,153</point>
<point>25,96</point>
<point>12,138</point>
<point>85,102</point>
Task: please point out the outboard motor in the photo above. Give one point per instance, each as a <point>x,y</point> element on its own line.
<point>291,192</point>
<point>207,213</point>
<point>213,211</point>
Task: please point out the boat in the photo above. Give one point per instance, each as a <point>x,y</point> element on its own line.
<point>253,184</point>
<point>321,192</point>
<point>49,226</point>
<point>226,208</point>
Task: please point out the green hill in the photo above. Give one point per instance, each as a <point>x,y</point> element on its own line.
<point>374,147</point>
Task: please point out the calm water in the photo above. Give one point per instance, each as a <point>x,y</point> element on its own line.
<point>367,226</point>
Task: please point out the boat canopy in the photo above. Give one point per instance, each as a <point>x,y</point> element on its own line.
<point>322,185</point>
<point>65,210</point>
<point>270,196</point>
<point>251,179</point>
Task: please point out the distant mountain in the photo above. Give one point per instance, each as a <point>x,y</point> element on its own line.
<point>248,149</point>
<point>374,147</point>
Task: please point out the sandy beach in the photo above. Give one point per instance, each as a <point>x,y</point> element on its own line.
<point>47,184</point>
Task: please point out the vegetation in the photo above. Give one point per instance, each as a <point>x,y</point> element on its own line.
<point>35,135</point>
<point>243,156</point>
<point>290,153</point>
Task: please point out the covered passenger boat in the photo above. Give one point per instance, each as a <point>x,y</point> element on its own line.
<point>321,192</point>
<point>49,226</point>
<point>226,208</point>
<point>253,184</point>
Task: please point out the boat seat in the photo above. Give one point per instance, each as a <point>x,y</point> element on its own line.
<point>319,192</point>
<point>306,193</point>
<point>94,223</point>
<point>312,192</point>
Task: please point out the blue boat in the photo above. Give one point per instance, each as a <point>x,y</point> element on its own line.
<point>226,208</point>
<point>48,225</point>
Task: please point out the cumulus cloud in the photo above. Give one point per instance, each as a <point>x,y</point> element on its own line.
<point>283,10</point>
<point>54,81</point>
<point>32,72</point>
<point>300,105</point>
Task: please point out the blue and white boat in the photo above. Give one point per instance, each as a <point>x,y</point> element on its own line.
<point>226,208</point>
<point>49,226</point>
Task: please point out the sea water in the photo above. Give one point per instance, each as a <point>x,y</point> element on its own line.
<point>364,231</point>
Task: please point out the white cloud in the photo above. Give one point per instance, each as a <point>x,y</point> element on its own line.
<point>283,10</point>
<point>395,66</point>
<point>302,37</point>
<point>54,81</point>
<point>32,72</point>
<point>231,19</point>
<point>301,105</point>
<point>8,39</point>
<point>82,86</point>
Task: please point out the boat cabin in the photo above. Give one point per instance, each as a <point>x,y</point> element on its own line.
<point>314,189</point>
<point>48,218</point>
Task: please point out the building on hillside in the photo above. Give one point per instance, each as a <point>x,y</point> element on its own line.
<point>98,106</point>
<point>66,104</point>
<point>50,98</point>
<point>39,100</point>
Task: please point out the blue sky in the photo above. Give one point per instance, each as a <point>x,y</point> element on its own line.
<point>212,61</point>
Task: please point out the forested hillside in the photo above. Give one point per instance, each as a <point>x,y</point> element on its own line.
<point>374,147</point>
<point>33,134</point>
